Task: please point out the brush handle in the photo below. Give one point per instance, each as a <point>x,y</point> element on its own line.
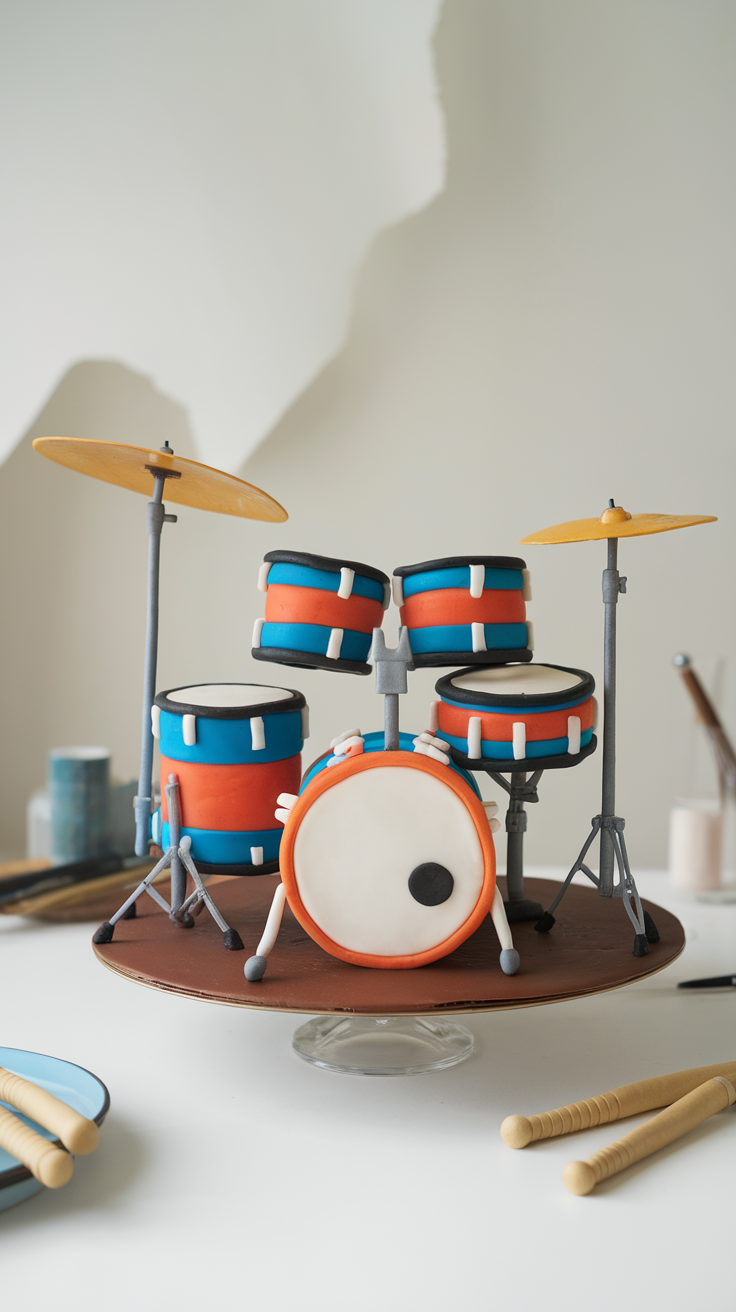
<point>49,1163</point>
<point>77,1133</point>
<point>706,710</point>
<point>671,1124</point>
<point>628,1100</point>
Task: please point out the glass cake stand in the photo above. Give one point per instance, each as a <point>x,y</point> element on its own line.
<point>382,1045</point>
<point>354,1020</point>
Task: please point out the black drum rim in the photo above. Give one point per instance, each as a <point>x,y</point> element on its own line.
<point>295,702</point>
<point>529,764</point>
<point>459,562</point>
<point>219,868</point>
<point>502,656</point>
<point>309,660</point>
<point>446,689</point>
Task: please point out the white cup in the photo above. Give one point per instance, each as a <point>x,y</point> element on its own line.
<point>696,841</point>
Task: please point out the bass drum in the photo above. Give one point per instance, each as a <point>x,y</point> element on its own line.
<point>387,859</point>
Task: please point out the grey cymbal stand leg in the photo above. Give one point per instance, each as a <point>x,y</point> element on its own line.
<point>105,932</point>
<point>179,913</point>
<point>520,790</point>
<point>182,853</point>
<point>230,937</point>
<point>391,667</point>
<point>157,517</point>
<point>608,824</point>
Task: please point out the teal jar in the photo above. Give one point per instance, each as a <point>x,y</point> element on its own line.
<point>79,789</point>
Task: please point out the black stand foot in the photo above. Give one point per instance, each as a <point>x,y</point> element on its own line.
<point>650,929</point>
<point>641,947</point>
<point>131,913</point>
<point>104,933</point>
<point>232,941</point>
<point>523,910</point>
<point>544,925</point>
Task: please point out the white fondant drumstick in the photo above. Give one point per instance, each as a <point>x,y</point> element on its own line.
<point>46,1161</point>
<point>255,967</point>
<point>76,1132</point>
<point>509,956</point>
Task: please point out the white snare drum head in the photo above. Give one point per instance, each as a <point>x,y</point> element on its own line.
<point>228,694</point>
<point>359,843</point>
<point>515,680</point>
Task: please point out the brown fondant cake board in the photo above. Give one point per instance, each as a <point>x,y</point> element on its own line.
<point>588,951</point>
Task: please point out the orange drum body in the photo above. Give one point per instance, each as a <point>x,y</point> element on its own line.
<point>387,858</point>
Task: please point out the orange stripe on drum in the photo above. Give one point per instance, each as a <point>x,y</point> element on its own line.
<point>456,606</point>
<point>291,605</point>
<point>540,725</point>
<point>238,797</point>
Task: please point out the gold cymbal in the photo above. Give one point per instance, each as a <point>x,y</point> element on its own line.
<point>197,485</point>
<point>615,522</point>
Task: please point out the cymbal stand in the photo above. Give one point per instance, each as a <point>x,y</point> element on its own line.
<point>143,802</point>
<point>178,850</point>
<point>609,825</point>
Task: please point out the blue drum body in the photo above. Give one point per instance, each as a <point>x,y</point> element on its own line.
<point>234,748</point>
<point>463,610</point>
<point>320,612</point>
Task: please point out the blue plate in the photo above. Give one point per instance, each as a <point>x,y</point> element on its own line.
<point>72,1084</point>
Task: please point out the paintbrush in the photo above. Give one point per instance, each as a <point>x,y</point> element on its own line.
<point>17,886</point>
<point>725,757</point>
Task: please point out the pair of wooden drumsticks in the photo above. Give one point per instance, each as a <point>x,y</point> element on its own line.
<point>689,1097</point>
<point>49,1163</point>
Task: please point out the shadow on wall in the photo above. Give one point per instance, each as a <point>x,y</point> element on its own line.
<point>72,593</point>
<point>557,304</point>
<point>551,331</point>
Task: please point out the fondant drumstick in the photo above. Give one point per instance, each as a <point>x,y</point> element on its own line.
<point>629,1100</point>
<point>76,1132</point>
<point>255,967</point>
<point>49,1163</point>
<point>509,956</point>
<point>671,1124</point>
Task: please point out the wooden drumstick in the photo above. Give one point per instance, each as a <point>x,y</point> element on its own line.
<point>49,1163</point>
<point>78,1134</point>
<point>671,1124</point>
<point>629,1100</point>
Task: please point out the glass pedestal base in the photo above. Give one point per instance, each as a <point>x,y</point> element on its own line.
<point>382,1045</point>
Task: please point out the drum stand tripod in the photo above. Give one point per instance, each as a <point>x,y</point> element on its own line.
<point>520,790</point>
<point>178,852</point>
<point>609,825</point>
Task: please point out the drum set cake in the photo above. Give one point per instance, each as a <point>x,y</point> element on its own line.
<point>384,845</point>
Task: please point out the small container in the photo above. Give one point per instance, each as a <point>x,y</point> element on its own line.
<point>79,787</point>
<point>696,842</point>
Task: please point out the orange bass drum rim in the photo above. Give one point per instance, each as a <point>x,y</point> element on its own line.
<point>371,761</point>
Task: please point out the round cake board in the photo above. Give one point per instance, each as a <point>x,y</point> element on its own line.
<point>588,951</point>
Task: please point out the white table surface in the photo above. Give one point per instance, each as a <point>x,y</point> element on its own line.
<point>231,1173</point>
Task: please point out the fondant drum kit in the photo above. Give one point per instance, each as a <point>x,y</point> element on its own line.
<point>385,846</point>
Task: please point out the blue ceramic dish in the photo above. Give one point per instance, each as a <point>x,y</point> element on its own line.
<point>73,1085</point>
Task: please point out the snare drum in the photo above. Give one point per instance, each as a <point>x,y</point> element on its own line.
<point>466,610</point>
<point>520,713</point>
<point>320,612</point>
<point>235,747</point>
<point>387,858</point>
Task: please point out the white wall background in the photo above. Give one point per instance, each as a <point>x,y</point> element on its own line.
<point>191,185</point>
<point>556,328</point>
